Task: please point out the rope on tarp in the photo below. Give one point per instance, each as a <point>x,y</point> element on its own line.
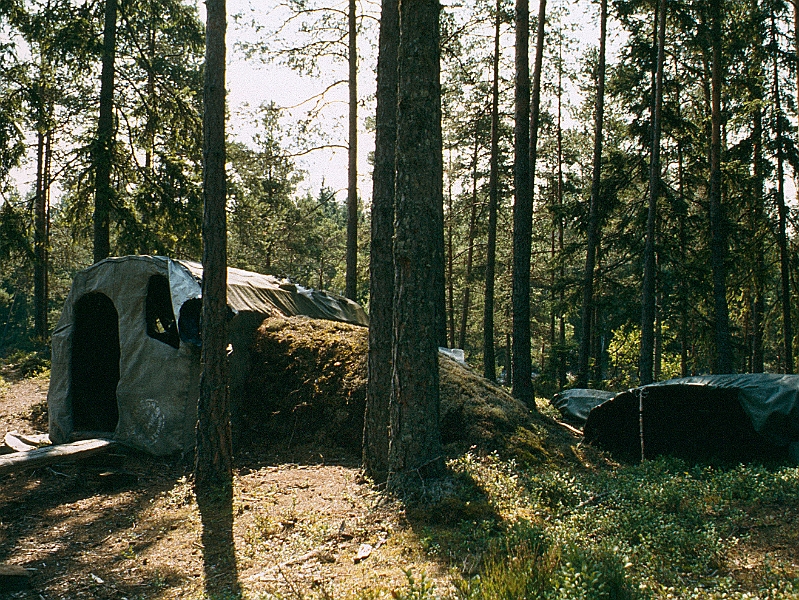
<point>641,394</point>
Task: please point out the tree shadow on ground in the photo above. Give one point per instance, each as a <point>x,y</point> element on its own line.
<point>84,528</point>
<point>219,548</point>
<point>454,520</point>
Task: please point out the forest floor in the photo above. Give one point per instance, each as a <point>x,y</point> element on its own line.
<point>306,524</point>
<point>126,525</point>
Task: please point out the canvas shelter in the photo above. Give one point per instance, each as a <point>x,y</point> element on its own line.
<point>125,352</point>
<point>734,417</point>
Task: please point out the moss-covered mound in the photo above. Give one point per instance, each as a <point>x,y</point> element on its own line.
<point>307,383</point>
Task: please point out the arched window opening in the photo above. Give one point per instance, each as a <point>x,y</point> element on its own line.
<point>159,315</point>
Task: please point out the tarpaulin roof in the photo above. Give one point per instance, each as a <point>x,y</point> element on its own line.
<point>254,292</point>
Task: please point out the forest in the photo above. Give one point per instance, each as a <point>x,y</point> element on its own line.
<point>691,240</point>
<point>601,200</point>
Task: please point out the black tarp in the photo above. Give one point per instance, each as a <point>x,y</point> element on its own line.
<point>733,417</point>
<point>575,404</point>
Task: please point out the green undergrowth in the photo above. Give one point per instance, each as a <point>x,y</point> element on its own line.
<point>23,364</point>
<point>662,529</point>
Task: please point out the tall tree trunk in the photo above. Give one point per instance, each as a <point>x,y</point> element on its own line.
<point>450,258</point>
<point>214,447</point>
<point>782,213</point>
<point>151,99</point>
<point>489,360</point>
<point>648,295</point>
<point>524,172</point>
<point>104,143</point>
<point>553,302</point>
<point>681,294</point>
<point>41,204</point>
<point>718,233</point>
<point>597,349</point>
<point>796,41</point>
<point>757,205</point>
<point>351,284</point>
<point>213,472</point>
<point>415,441</point>
<point>381,265</point>
<point>561,344</point>
<point>593,208</point>
<point>522,212</point>
<point>40,242</point>
<point>683,254</point>
<point>467,288</point>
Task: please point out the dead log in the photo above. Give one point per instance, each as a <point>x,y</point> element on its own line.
<point>48,455</point>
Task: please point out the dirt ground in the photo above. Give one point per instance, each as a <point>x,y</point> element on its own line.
<point>126,525</point>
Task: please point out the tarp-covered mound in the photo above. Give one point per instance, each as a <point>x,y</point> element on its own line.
<point>575,404</point>
<point>733,417</point>
<point>307,383</point>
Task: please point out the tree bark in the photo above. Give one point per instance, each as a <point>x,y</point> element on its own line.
<point>758,202</point>
<point>535,113</point>
<point>796,40</point>
<point>450,259</point>
<point>351,283</point>
<point>381,267</point>
<point>718,233</point>
<point>104,143</point>
<point>213,463</point>
<point>758,303</point>
<point>782,214</point>
<point>593,209</point>
<point>415,441</point>
<point>648,295</point>
<point>41,211</point>
<point>467,287</point>
<point>522,212</point>
<point>489,358</point>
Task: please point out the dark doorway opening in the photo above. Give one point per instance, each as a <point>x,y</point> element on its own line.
<point>95,364</point>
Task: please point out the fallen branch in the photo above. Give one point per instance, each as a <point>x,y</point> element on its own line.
<point>48,455</point>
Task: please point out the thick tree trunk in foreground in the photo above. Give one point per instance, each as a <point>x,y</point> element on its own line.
<point>381,290</point>
<point>213,473</point>
<point>214,447</point>
<point>415,441</point>
<point>522,237</point>
<point>522,213</point>
<point>104,143</point>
